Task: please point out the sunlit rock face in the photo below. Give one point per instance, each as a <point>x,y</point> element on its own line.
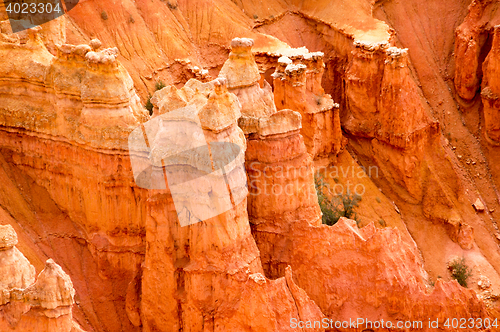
<point>297,86</point>
<point>287,228</point>
<point>202,263</point>
<point>204,216</point>
<point>490,93</point>
<point>27,305</point>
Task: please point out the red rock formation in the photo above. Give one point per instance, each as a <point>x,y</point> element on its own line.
<point>490,92</point>
<point>27,305</point>
<point>280,178</point>
<point>288,231</point>
<point>207,274</point>
<point>68,132</point>
<point>471,37</point>
<point>370,273</point>
<point>298,87</point>
<point>81,120</point>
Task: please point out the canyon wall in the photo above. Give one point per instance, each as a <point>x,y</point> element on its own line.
<point>288,232</point>
<point>207,275</point>
<point>155,239</point>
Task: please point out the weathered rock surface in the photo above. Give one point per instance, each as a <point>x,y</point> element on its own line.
<point>286,231</point>
<point>66,113</point>
<point>29,305</point>
<point>297,86</point>
<point>207,274</point>
<point>471,39</point>
<point>490,92</point>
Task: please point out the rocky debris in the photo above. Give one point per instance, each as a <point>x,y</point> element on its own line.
<point>484,283</point>
<point>478,205</point>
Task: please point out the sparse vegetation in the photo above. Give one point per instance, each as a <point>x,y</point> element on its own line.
<point>336,206</point>
<point>460,271</point>
<point>104,15</point>
<point>131,19</point>
<point>255,16</point>
<point>172,5</point>
<point>159,85</point>
<point>149,105</point>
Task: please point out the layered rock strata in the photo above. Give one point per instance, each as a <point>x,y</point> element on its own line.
<point>27,305</point>
<point>490,91</point>
<point>74,112</point>
<point>297,86</point>
<point>280,174</point>
<point>287,228</point>
<point>202,268</point>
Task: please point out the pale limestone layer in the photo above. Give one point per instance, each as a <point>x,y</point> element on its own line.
<point>258,108</point>
<point>52,289</point>
<point>43,305</point>
<point>79,94</point>
<point>8,237</point>
<point>240,69</point>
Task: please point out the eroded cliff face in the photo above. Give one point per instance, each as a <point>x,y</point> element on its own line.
<point>288,232</point>
<point>29,305</point>
<point>207,275</point>
<point>394,105</point>
<point>154,239</point>
<point>80,105</point>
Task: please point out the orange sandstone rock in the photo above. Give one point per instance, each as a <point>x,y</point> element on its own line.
<point>490,92</point>
<point>202,268</point>
<point>27,305</point>
<point>297,86</point>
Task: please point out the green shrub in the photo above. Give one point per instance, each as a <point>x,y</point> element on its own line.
<point>159,85</point>
<point>460,271</point>
<point>104,15</point>
<point>336,206</point>
<point>149,105</point>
